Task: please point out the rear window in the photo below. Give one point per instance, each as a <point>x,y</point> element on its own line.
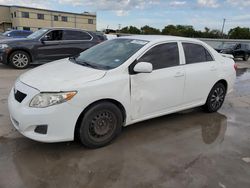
<point>75,35</point>
<point>195,53</point>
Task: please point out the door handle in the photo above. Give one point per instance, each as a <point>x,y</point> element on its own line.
<point>179,74</point>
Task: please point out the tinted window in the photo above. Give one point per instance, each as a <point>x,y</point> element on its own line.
<point>55,18</point>
<point>162,56</point>
<point>195,53</point>
<point>54,35</point>
<point>25,15</point>
<point>40,16</point>
<point>90,21</point>
<point>64,18</point>
<point>26,28</point>
<point>75,35</point>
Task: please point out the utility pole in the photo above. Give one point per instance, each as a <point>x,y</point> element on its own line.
<point>223,25</point>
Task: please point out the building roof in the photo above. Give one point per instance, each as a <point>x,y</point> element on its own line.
<point>80,14</point>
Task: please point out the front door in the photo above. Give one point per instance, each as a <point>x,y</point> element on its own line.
<point>161,90</point>
<point>49,48</point>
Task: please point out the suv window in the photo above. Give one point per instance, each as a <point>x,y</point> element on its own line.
<point>162,56</point>
<point>195,53</point>
<point>75,35</point>
<point>55,35</point>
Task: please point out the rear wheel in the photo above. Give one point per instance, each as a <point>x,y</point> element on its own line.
<point>246,57</point>
<point>215,98</point>
<point>19,59</point>
<point>100,125</point>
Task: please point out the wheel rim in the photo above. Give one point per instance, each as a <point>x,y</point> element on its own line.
<point>102,126</point>
<point>217,98</point>
<point>20,60</point>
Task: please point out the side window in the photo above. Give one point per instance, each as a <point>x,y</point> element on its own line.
<point>162,56</point>
<point>195,53</point>
<point>75,35</point>
<point>55,35</point>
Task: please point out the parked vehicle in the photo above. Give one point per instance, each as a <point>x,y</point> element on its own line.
<point>117,83</point>
<point>238,50</point>
<point>46,45</point>
<point>17,33</point>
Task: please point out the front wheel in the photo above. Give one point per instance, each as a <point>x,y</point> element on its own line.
<point>19,59</point>
<point>100,125</point>
<point>215,98</point>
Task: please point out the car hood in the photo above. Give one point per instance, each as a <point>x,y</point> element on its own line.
<point>9,40</point>
<point>61,75</point>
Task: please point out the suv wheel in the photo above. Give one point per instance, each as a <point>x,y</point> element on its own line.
<point>19,59</point>
<point>246,57</point>
<point>215,98</point>
<point>100,125</point>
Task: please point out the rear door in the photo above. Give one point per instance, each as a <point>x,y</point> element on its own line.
<point>201,73</point>
<point>75,42</point>
<point>158,91</point>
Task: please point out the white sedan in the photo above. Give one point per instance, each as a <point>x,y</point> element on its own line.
<point>118,83</point>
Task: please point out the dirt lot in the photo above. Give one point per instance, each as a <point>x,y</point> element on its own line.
<point>187,149</point>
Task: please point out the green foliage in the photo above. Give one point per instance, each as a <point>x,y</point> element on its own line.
<point>189,31</point>
<point>239,33</point>
<point>147,30</point>
<point>131,30</point>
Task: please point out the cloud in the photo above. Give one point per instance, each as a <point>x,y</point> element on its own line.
<point>208,3</point>
<point>28,3</point>
<point>177,3</point>
<point>241,3</point>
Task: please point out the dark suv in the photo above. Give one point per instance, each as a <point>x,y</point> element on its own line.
<point>238,50</point>
<point>46,45</point>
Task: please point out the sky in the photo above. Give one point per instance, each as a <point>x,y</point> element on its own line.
<point>155,13</point>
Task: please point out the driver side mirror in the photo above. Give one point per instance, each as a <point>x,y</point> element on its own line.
<point>143,67</point>
<point>45,38</point>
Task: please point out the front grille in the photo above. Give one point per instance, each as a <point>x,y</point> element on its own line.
<point>19,96</point>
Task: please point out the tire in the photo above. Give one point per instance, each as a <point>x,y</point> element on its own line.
<point>215,98</point>
<point>19,60</point>
<point>101,124</point>
<point>246,57</point>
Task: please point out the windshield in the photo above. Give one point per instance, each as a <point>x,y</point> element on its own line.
<point>110,54</point>
<point>37,34</point>
<point>6,33</point>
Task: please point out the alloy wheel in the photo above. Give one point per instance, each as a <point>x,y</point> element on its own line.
<point>20,60</point>
<point>217,98</point>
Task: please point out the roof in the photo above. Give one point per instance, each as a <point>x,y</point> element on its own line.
<point>80,14</point>
<point>155,38</point>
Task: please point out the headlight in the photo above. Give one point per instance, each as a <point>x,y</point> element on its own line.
<point>3,46</point>
<point>44,100</point>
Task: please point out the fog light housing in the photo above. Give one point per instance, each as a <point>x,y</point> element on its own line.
<point>41,129</point>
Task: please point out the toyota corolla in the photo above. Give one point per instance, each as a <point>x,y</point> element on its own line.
<point>118,83</point>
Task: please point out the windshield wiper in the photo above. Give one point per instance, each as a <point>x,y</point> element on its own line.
<point>84,63</point>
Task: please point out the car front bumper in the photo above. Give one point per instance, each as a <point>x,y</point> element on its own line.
<point>59,119</point>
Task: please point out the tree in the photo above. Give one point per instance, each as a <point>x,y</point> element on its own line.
<point>131,30</point>
<point>239,33</point>
<point>147,30</point>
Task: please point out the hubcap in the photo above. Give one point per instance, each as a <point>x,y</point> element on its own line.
<point>20,60</point>
<point>102,125</point>
<point>217,98</point>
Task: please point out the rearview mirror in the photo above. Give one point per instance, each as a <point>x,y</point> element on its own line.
<point>143,67</point>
